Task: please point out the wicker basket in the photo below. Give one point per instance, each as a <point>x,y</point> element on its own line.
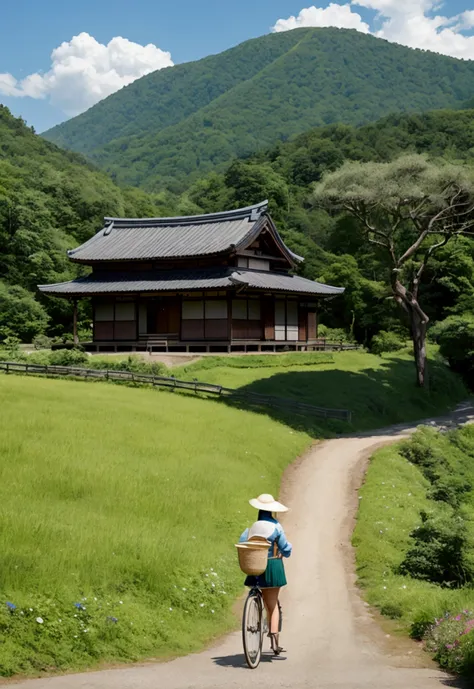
<point>253,557</point>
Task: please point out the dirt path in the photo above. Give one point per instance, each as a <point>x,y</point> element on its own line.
<point>332,640</point>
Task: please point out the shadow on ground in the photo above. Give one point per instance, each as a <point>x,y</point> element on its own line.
<point>238,660</point>
<point>376,397</point>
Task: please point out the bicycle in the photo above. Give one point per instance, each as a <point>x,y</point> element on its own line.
<point>255,626</point>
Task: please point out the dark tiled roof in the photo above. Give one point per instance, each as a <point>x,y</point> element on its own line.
<point>175,280</point>
<point>131,239</point>
<point>283,282</point>
<point>152,281</point>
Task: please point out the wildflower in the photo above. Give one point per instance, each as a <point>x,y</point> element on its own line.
<point>31,609</point>
<point>213,585</point>
<point>201,605</point>
<point>59,620</point>
<point>171,609</point>
<point>384,588</point>
<point>75,636</point>
<point>185,589</point>
<point>212,611</point>
<point>95,598</point>
<point>11,606</point>
<point>79,606</point>
<point>403,587</point>
<point>39,620</point>
<point>75,615</point>
<point>85,630</point>
<point>212,569</point>
<point>121,602</point>
<point>112,619</point>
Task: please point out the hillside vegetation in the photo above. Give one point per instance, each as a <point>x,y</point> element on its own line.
<point>50,201</point>
<point>415,541</point>
<point>176,124</point>
<point>333,245</point>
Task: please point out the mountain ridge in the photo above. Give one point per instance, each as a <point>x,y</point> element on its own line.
<point>252,96</point>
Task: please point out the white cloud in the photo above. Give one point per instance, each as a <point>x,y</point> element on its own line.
<point>413,23</point>
<point>83,71</point>
<point>334,15</point>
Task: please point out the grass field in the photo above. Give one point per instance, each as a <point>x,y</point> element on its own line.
<point>120,494</point>
<point>119,506</point>
<point>379,391</point>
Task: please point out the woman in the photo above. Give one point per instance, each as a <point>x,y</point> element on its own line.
<point>274,576</point>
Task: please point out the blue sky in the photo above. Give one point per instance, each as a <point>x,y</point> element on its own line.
<point>188,30</point>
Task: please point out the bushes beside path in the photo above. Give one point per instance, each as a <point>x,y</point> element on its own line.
<point>414,541</point>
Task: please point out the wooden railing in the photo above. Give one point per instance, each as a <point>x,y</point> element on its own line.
<point>256,399</point>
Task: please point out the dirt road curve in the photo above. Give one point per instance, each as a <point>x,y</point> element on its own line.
<point>332,640</point>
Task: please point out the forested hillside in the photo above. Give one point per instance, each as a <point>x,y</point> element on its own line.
<point>333,245</point>
<point>50,201</point>
<point>173,126</point>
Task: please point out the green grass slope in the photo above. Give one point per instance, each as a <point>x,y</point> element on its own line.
<point>126,502</point>
<point>432,473</point>
<point>299,79</point>
<point>379,391</point>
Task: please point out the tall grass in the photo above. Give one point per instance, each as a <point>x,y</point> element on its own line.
<point>123,495</point>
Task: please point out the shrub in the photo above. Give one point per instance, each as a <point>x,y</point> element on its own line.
<point>42,342</point>
<point>451,641</point>
<point>11,348</point>
<point>438,553</point>
<point>134,364</point>
<point>455,337</point>
<point>68,357</point>
<point>386,342</point>
<point>334,334</point>
<point>443,463</point>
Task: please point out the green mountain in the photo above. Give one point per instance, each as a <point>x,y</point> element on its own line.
<point>174,125</point>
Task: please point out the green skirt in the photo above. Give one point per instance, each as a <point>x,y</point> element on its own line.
<point>274,575</point>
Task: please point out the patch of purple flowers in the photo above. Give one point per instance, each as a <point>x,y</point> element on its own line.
<point>112,619</point>
<point>11,606</point>
<point>79,606</point>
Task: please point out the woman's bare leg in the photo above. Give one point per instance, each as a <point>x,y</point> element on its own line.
<point>270,597</point>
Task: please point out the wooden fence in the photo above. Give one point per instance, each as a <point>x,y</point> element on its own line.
<point>256,399</point>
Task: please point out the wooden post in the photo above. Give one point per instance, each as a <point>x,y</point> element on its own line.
<point>74,323</point>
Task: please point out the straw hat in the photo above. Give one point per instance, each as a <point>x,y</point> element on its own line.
<point>267,502</point>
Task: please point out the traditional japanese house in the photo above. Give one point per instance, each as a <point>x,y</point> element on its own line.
<point>218,282</point>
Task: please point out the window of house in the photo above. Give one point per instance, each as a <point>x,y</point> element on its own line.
<point>246,309</point>
<point>193,310</point>
<point>104,311</point>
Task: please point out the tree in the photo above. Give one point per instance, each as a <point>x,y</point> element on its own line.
<point>20,314</point>
<point>455,337</point>
<point>409,209</point>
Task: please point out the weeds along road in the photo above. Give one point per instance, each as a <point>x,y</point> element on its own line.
<point>331,637</point>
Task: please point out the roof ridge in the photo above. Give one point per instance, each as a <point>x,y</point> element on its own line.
<point>252,212</point>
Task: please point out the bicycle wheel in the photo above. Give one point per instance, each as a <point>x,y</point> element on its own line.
<point>252,630</point>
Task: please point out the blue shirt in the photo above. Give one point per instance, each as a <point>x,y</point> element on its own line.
<point>273,532</point>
